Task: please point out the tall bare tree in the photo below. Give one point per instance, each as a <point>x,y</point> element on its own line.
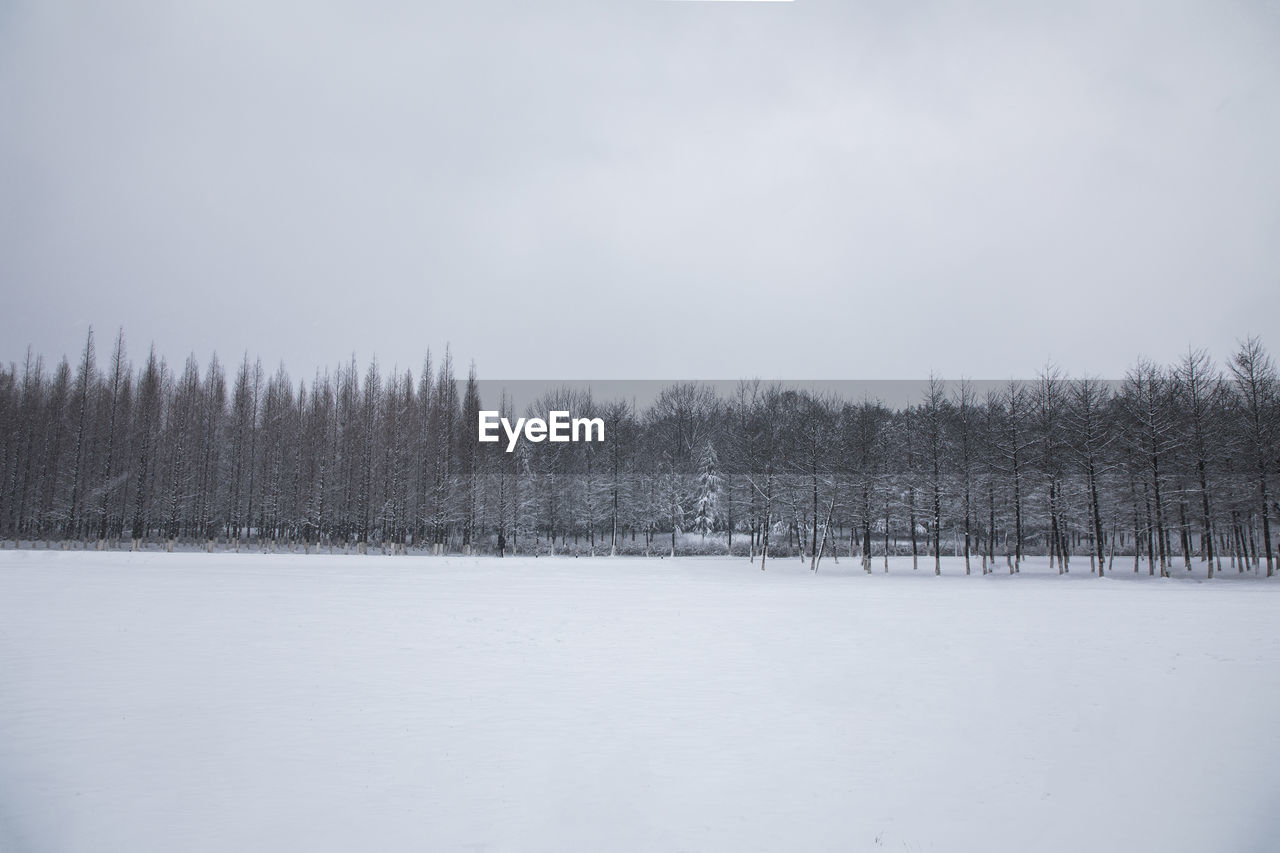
<point>1255,381</point>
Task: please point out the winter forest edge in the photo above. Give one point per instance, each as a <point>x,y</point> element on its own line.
<point>1171,465</point>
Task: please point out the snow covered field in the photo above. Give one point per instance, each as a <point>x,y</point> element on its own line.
<point>196,702</point>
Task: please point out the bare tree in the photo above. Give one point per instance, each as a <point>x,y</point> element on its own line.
<point>84,383</point>
<point>1153,439</point>
<point>1198,387</point>
<point>119,370</point>
<point>934,414</point>
<point>1256,393</point>
<point>1090,426</point>
<point>966,446</point>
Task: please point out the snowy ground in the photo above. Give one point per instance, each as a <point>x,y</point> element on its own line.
<point>195,702</point>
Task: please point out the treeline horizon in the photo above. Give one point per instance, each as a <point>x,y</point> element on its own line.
<point>1172,464</point>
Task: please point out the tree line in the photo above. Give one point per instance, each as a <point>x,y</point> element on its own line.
<point>1172,464</point>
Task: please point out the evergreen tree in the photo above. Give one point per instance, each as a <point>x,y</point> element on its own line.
<point>708,500</point>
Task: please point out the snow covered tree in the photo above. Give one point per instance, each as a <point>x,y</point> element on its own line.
<point>1089,426</point>
<point>708,500</point>
<point>933,416</point>
<point>1174,460</point>
<point>1258,395</point>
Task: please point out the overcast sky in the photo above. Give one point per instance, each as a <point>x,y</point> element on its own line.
<point>643,189</point>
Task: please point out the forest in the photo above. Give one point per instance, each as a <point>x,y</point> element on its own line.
<point>1166,466</point>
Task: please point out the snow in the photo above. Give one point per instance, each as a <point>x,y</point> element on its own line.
<point>213,702</point>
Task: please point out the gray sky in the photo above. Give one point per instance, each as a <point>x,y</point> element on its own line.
<point>643,189</point>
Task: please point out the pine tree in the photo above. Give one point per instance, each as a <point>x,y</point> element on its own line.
<point>708,500</point>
